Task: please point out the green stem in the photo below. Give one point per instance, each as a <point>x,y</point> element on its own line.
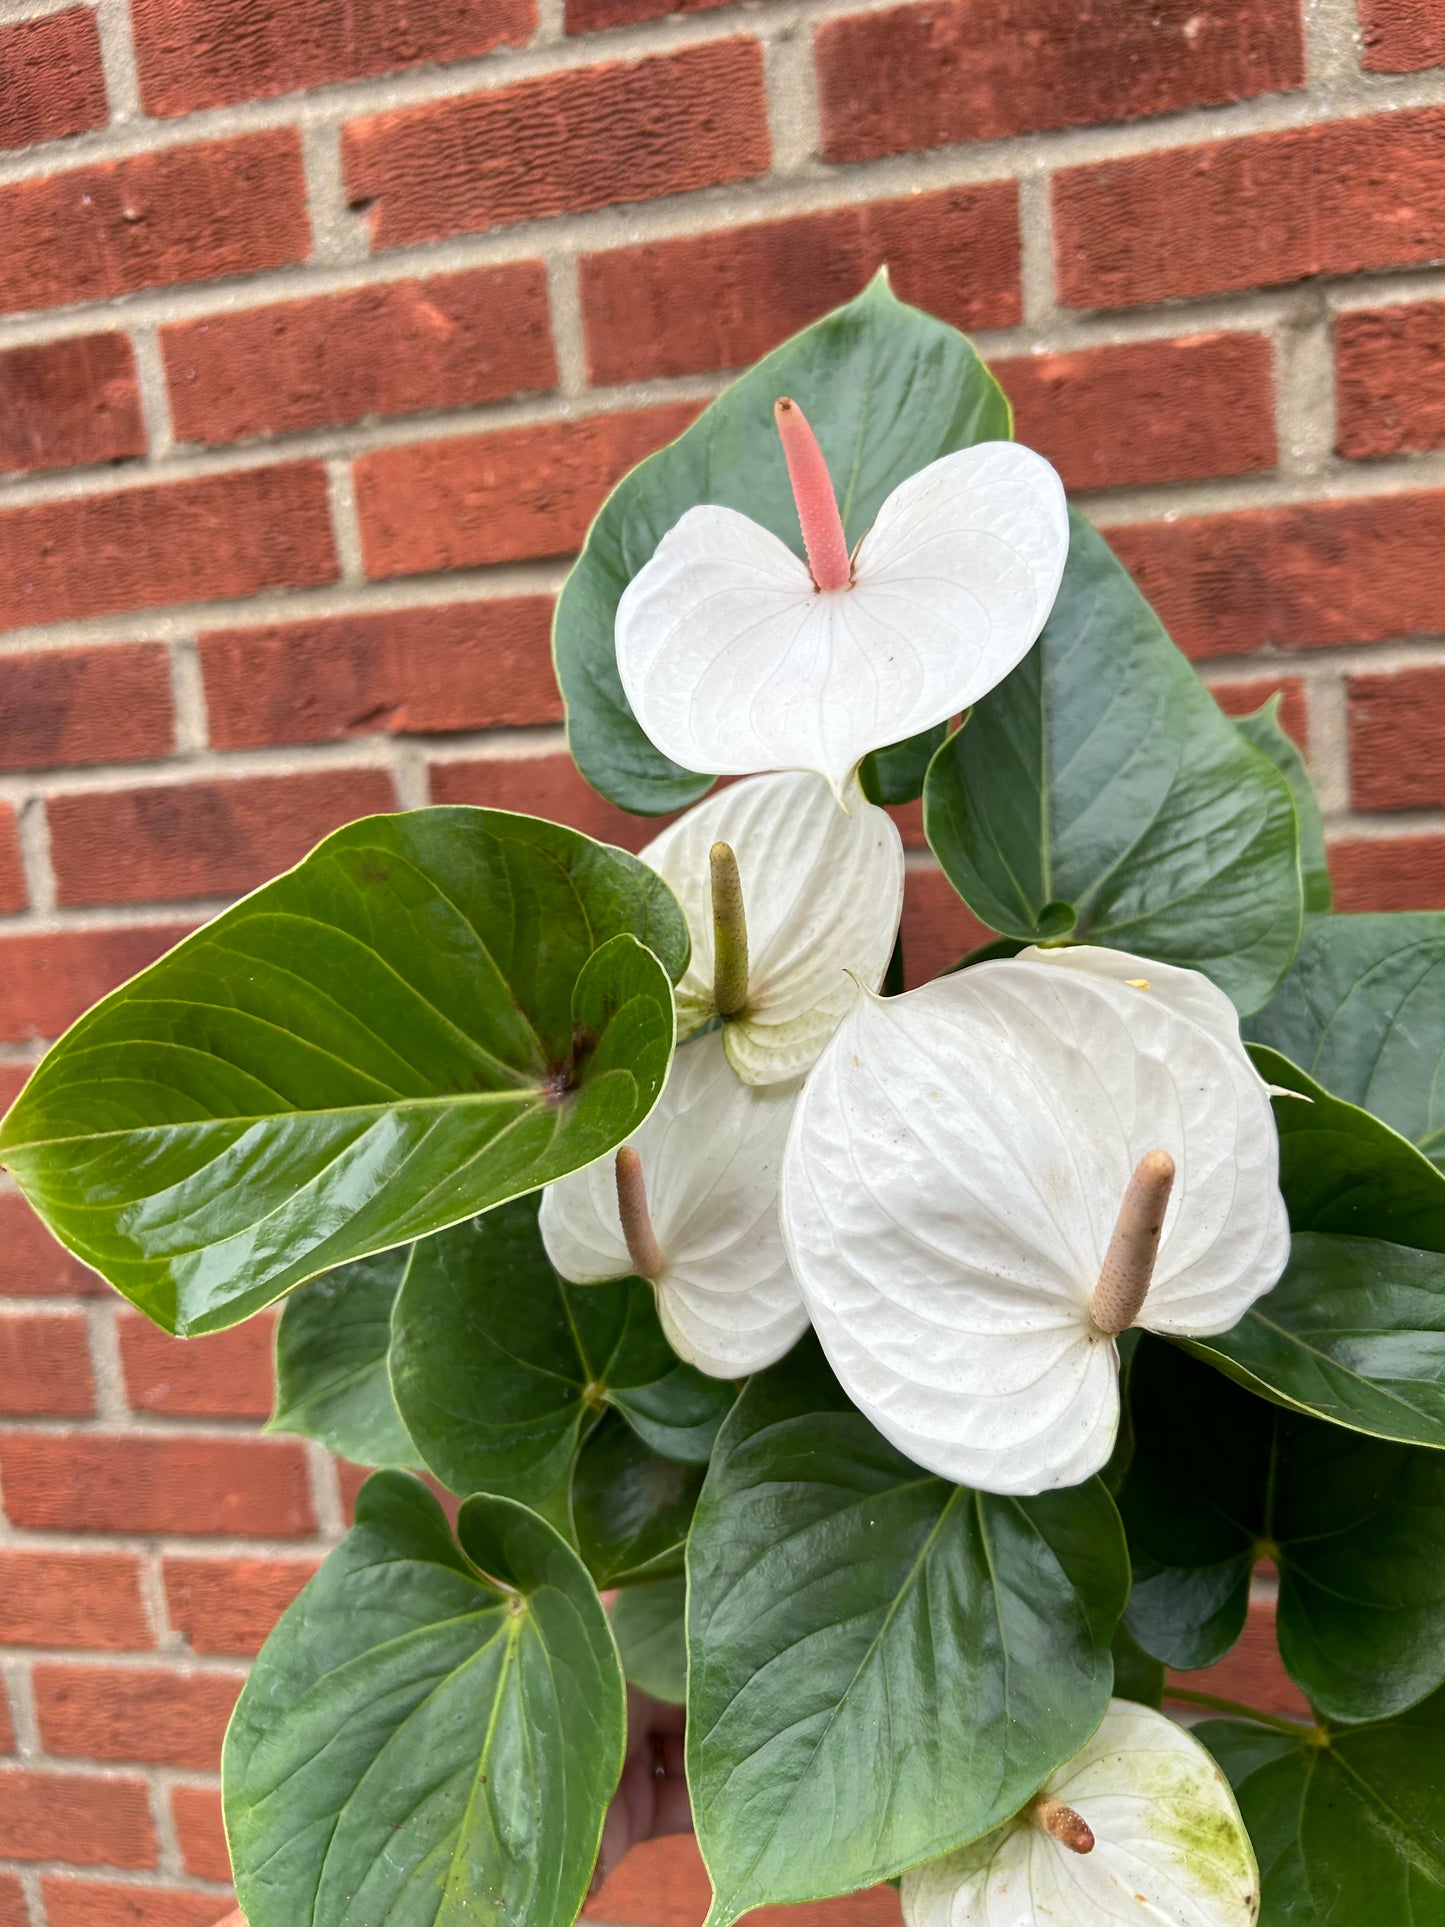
<point>1295,1728</point>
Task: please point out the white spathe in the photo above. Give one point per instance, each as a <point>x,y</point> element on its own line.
<point>734,661</point>
<point>953,1177</point>
<point>711,1156</point>
<point>1170,1848</point>
<point>822,893</point>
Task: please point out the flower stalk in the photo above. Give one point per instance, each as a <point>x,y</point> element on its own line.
<point>1128,1268</point>
<point>729,933</point>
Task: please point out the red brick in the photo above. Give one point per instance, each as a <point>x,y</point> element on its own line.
<point>588,16</point>
<point>662,1883</point>
<point>453,341</point>
<point>75,1817</point>
<point>1388,872</point>
<point>1252,1672</point>
<point>201,1832</point>
<point>95,1482</point>
<point>196,213</point>
<point>51,79</point>
<point>194,53</point>
<point>153,1714</point>
<point>1304,577</point>
<point>400,672</point>
<point>45,1365</point>
<point>1402,36</point>
<point>1397,749</point>
<point>1390,379</point>
<point>66,706</point>
<point>14,1908</point>
<point>938,927</point>
<point>541,786</point>
<point>1148,411</point>
<point>14,891</point>
<point>1243,696</point>
<point>720,300</point>
<point>13,1079</point>
<point>7,1744</point>
<point>509,496</point>
<point>561,143</point>
<point>99,1903</point>
<point>969,70</point>
<point>84,1599</point>
<point>200,839</point>
<point>69,402</point>
<point>230,1605</point>
<point>49,979</point>
<point>223,1375</point>
<point>32,1264</point>
<point>1342,197</point>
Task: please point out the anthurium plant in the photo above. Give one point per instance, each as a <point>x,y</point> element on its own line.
<point>897,1380</point>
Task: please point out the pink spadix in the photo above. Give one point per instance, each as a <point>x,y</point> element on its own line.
<point>818,516</point>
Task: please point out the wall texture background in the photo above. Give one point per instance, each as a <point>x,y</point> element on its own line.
<point>325,325</point>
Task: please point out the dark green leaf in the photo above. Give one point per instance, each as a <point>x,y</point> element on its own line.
<point>649,1625</point>
<point>631,1507</point>
<point>1099,793</point>
<point>430,1014</point>
<point>331,1347</point>
<point>887,390</point>
<point>420,1745</point>
<point>1268,734</point>
<point>882,1665</point>
<point>895,775</point>
<point>1137,1676</point>
<point>1355,1525</point>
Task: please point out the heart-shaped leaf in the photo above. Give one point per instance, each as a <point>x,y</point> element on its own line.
<point>1100,793</point>
<point>882,1666</point>
<point>1355,1525</point>
<point>432,1013</point>
<point>631,1508</point>
<point>649,1623</point>
<point>432,1733</point>
<point>331,1378</point>
<point>887,390</point>
<point>500,1368</point>
<point>1265,730</point>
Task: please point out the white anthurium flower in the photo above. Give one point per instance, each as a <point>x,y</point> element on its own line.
<point>992,1177</point>
<point>791,903</point>
<point>691,1204</point>
<point>1140,1830</point>
<point>737,657</point>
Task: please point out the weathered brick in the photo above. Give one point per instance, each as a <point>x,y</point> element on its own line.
<point>106,1903</point>
<point>14,1908</point>
<point>1340,197</point>
<point>1148,411</point>
<point>508,496</point>
<point>589,16</point>
<point>50,978</point>
<point>7,1745</point>
<point>1402,36</point>
<point>541,786</point>
<point>45,1365</point>
<point>229,1606</point>
<point>201,1832</point>
<point>14,891</point>
<point>32,1264</point>
<point>197,53</point>
<point>1390,379</point>
<point>99,1482</point>
<point>223,1375</point>
<point>1388,872</point>
<point>182,214</point>
<point>63,707</point>
<point>1242,696</point>
<point>77,1817</point>
<point>51,80</point>
<point>1304,577</point>
<point>66,403</point>
<point>73,1599</point>
<point>938,927</point>
<point>13,1078</point>
<point>1397,748</point>
<point>139,548</point>
<point>463,665</point>
<point>179,840</point>
<point>453,341</point>
<point>721,299</point>
<point>153,1714</point>
<point>561,143</point>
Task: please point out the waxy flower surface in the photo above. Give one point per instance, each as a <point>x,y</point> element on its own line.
<point>990,1178</point>
<point>691,1203</point>
<point>821,895</point>
<point>1139,1830</point>
<point>738,657</point>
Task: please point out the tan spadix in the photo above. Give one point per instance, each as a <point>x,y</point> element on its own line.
<point>637,1232</point>
<point>729,933</point>
<point>1069,1828</point>
<point>1128,1268</point>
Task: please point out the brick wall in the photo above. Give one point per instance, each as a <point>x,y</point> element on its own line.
<point>324,327</point>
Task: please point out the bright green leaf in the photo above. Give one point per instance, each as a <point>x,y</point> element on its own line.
<point>431,1735</point>
<point>1268,734</point>
<point>430,1014</point>
<point>887,390</point>
<point>882,1666</point>
<point>1099,794</point>
<point>631,1508</point>
<point>649,1623</point>
<point>331,1347</point>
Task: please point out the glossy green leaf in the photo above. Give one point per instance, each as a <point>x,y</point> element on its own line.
<point>1137,1674</point>
<point>331,1378</point>
<point>499,1367</point>
<point>1363,1011</point>
<point>1348,1826</point>
<point>882,1666</point>
<point>1355,1525</point>
<point>895,775</point>
<point>1099,794</point>
<point>1265,730</point>
<point>631,1508</point>
<point>430,1014</point>
<point>887,390</point>
<point>433,1732</point>
<point>649,1623</point>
